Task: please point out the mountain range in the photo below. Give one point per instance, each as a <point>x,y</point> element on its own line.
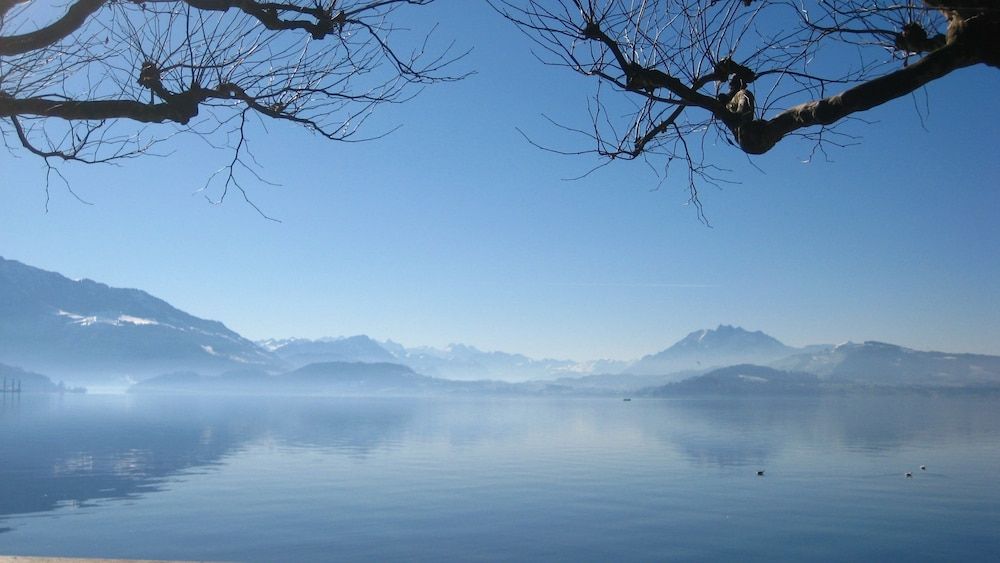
<point>302,351</point>
<point>882,364</point>
<point>867,367</point>
<point>83,331</point>
<point>455,361</point>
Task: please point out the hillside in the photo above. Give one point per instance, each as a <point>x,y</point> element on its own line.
<point>88,330</point>
<point>28,382</point>
<point>882,364</point>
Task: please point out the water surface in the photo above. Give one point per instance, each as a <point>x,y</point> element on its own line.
<point>279,479</point>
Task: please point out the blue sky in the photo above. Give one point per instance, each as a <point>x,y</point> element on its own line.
<point>454,229</point>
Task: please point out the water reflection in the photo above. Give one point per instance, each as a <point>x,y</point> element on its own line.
<point>729,432</point>
<point>352,426</point>
<point>78,450</point>
<point>68,451</point>
<point>741,432</point>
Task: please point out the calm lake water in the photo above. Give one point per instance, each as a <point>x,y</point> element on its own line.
<point>463,479</point>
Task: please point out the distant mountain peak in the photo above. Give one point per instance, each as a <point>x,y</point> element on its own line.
<point>302,351</point>
<point>727,336</point>
<point>883,345</point>
<point>705,348</point>
<point>871,346</point>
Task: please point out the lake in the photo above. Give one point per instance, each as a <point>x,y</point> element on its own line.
<point>501,479</point>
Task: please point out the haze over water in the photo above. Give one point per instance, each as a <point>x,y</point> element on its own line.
<point>270,479</point>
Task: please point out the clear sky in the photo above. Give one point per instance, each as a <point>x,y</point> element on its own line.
<point>454,229</point>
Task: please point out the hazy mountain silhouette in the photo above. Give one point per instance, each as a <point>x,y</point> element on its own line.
<point>848,368</point>
<point>621,382</point>
<point>340,378</point>
<point>335,378</point>
<point>882,364</point>
<point>744,379</point>
<point>455,361</point>
<point>704,349</point>
<point>28,382</point>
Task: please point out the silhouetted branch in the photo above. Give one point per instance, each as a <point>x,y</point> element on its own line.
<point>99,65</point>
<point>754,71</point>
<point>41,38</point>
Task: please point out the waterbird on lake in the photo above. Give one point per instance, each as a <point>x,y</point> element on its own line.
<point>760,473</point>
<point>923,468</point>
<point>908,474</point>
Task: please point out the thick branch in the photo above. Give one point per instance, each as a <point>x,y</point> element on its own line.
<point>267,14</point>
<point>52,33</point>
<point>181,109</point>
<point>759,136</point>
<point>322,24</point>
<point>7,5</point>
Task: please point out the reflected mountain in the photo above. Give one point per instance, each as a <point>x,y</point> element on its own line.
<point>79,450</point>
<point>60,451</point>
<point>347,426</point>
<point>729,432</point>
<point>752,431</point>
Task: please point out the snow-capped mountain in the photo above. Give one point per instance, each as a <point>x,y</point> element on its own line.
<point>704,349</point>
<point>87,330</point>
<point>455,361</point>
<point>464,362</point>
<point>302,351</point>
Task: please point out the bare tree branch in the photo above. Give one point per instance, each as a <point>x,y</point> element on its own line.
<point>107,79</point>
<point>759,136</point>
<point>753,71</point>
